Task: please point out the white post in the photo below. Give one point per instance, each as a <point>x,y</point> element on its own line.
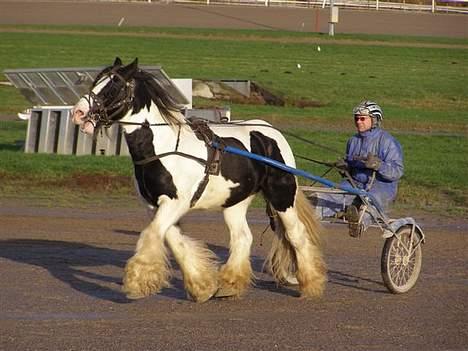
<point>433,5</point>
<point>331,25</point>
<point>333,18</point>
<point>377,5</point>
<point>266,2</point>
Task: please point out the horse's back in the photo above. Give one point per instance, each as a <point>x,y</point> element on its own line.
<point>259,130</point>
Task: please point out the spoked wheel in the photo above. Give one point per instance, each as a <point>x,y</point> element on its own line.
<point>401,260</point>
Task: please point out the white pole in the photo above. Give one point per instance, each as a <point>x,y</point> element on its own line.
<point>433,5</point>
<point>377,5</point>
<point>331,25</point>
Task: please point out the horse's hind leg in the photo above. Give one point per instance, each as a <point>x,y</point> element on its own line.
<point>301,231</point>
<point>235,275</point>
<point>296,247</point>
<point>197,263</point>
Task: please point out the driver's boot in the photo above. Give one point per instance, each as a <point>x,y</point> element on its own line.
<point>352,215</point>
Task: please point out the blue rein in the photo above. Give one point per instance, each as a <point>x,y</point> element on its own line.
<point>299,172</point>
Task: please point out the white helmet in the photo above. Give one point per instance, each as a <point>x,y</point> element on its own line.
<point>371,109</point>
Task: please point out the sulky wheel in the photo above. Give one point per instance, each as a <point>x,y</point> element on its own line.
<point>399,267</point>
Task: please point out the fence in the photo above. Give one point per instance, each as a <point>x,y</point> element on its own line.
<point>447,6</point>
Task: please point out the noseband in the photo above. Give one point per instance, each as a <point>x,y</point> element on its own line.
<point>100,114</point>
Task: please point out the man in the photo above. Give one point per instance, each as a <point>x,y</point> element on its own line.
<point>374,160</point>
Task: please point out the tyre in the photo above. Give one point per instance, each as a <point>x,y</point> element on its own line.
<point>400,269</point>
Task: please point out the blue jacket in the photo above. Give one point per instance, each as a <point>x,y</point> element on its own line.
<point>377,142</point>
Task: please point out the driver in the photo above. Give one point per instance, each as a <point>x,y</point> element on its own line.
<point>374,161</point>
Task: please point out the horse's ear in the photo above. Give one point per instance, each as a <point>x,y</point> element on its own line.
<point>134,64</point>
<point>130,69</point>
<point>117,62</point>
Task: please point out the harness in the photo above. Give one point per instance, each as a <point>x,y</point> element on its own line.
<point>213,163</point>
<point>102,114</point>
<point>99,113</point>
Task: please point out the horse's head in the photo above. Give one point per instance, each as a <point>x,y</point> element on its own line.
<point>120,89</point>
<point>109,99</point>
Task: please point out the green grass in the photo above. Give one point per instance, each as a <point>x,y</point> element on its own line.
<point>420,82</point>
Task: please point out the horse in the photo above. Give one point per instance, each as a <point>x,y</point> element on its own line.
<point>176,170</point>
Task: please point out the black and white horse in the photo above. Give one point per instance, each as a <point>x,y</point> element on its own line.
<point>176,171</point>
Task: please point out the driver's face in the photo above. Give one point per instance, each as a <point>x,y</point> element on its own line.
<point>363,123</point>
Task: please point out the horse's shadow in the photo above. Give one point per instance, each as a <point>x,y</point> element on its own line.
<point>68,262</point>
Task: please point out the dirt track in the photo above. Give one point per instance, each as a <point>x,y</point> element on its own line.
<point>170,15</point>
<point>61,273</point>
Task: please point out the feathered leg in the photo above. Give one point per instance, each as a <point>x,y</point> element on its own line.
<point>197,263</point>
<point>235,275</point>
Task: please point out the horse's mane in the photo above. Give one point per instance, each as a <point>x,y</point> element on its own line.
<point>149,89</point>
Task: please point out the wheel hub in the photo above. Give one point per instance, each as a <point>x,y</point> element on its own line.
<point>401,260</point>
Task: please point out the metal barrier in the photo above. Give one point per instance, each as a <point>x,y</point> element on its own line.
<point>50,130</point>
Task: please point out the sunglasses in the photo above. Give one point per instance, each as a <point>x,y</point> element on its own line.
<point>361,118</point>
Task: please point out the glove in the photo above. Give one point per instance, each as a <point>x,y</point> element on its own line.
<point>372,162</point>
<point>341,164</point>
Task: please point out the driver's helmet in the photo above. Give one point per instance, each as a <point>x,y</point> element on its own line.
<point>371,109</point>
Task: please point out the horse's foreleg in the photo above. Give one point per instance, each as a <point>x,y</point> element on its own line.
<point>197,263</point>
<point>147,272</point>
<point>236,275</point>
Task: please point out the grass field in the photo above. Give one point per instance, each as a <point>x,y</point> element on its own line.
<point>420,82</point>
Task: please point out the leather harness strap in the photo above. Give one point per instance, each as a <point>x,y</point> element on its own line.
<point>157,157</point>
<point>213,164</point>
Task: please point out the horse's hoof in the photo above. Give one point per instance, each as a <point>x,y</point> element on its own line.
<point>226,292</point>
<point>201,299</point>
<point>135,296</point>
<point>290,280</point>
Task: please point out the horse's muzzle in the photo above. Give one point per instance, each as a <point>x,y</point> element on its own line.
<point>79,116</point>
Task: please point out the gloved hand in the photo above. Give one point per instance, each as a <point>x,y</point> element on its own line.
<point>372,162</point>
<point>341,164</point>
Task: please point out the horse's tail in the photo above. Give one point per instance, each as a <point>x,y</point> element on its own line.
<point>308,217</point>
<point>282,259</point>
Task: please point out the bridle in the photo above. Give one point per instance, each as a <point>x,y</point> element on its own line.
<point>102,115</point>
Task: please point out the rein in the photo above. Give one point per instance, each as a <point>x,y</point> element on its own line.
<point>230,124</point>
